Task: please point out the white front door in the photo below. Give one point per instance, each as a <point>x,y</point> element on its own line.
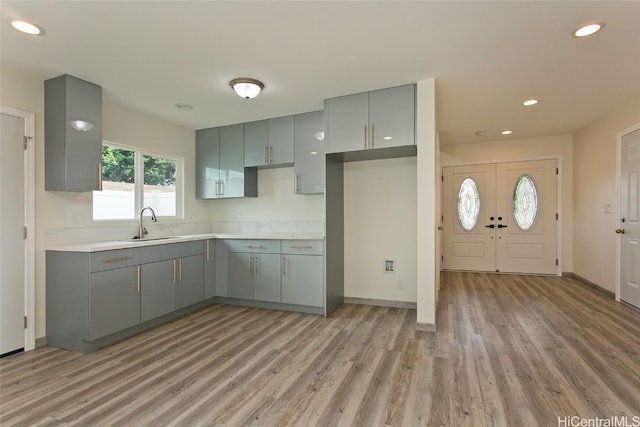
<point>500,217</point>
<point>12,245</point>
<point>629,227</point>
<point>469,201</point>
<point>526,214</point>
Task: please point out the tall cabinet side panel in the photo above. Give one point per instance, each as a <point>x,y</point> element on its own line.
<point>334,205</point>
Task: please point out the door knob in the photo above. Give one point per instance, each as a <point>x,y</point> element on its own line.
<point>620,231</point>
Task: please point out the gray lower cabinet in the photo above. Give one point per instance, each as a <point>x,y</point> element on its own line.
<point>309,153</point>
<point>172,278</point>
<point>254,270</point>
<point>302,280</point>
<point>266,277</point>
<point>209,272</point>
<point>303,272</point>
<point>241,275</point>
<point>114,301</point>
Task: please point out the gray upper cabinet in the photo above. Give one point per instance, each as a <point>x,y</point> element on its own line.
<point>269,142</point>
<point>378,119</point>
<point>73,158</point>
<point>309,153</point>
<point>220,171</point>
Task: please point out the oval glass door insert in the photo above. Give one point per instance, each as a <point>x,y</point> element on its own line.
<point>468,204</point>
<point>525,203</point>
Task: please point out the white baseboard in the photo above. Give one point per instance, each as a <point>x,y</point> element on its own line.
<point>428,327</point>
<point>380,302</point>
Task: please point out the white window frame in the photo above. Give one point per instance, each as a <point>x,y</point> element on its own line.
<point>138,182</point>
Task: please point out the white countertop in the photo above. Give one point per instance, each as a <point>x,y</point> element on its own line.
<point>126,244</point>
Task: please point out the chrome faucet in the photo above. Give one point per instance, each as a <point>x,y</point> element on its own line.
<point>143,231</point>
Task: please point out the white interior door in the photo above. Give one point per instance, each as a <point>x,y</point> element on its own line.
<point>526,212</point>
<point>500,217</point>
<point>629,229</point>
<point>12,216</point>
<point>468,205</point>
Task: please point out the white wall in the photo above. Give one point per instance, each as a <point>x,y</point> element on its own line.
<point>380,222</point>
<point>595,174</point>
<point>560,147</point>
<point>277,207</point>
<point>121,125</point>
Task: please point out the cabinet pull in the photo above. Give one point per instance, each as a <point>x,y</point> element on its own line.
<point>117,259</point>
<point>372,140</point>
<point>221,187</point>
<point>180,272</point>
<point>207,250</point>
<point>255,265</point>
<point>217,187</point>
<point>264,155</point>
<point>270,152</point>
<point>365,137</point>
<point>99,176</point>
<point>174,271</point>
<point>297,184</point>
<point>250,265</point>
<point>254,246</point>
<point>301,247</point>
<point>284,265</point>
<point>138,278</point>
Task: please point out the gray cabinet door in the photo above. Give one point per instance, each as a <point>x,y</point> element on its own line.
<point>241,275</point>
<point>222,268</point>
<point>207,163</point>
<point>280,150</point>
<point>189,285</point>
<point>302,280</point>
<point>256,141</point>
<point>158,289</point>
<point>266,277</point>
<point>209,268</point>
<point>392,116</point>
<point>114,301</point>
<point>347,123</point>
<point>309,153</point>
<point>232,160</point>
<point>72,157</point>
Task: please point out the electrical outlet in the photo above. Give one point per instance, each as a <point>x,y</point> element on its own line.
<point>76,218</point>
<point>389,265</point>
<point>400,284</point>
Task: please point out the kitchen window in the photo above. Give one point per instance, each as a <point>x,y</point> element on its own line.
<point>133,179</point>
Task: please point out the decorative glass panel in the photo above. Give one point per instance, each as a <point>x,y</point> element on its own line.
<point>525,203</point>
<point>468,204</point>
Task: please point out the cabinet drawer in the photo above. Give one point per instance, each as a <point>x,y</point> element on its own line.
<point>254,246</point>
<point>170,251</point>
<point>109,260</point>
<point>303,247</point>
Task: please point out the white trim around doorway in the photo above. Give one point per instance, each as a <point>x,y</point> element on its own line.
<point>30,269</point>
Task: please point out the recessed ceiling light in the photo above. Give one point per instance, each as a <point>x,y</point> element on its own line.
<point>530,102</point>
<point>481,133</point>
<point>28,28</point>
<point>182,106</point>
<point>588,30</point>
<point>506,132</point>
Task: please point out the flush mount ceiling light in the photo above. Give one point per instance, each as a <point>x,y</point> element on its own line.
<point>28,28</point>
<point>530,102</point>
<point>588,30</point>
<point>246,87</point>
<point>81,125</point>
<point>506,132</point>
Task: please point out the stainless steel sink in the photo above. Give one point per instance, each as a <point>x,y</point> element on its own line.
<point>149,239</point>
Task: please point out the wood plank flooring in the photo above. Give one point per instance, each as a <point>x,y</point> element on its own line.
<point>509,351</point>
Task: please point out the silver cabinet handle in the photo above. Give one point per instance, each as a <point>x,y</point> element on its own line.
<point>206,250</point>
<point>254,246</point>
<point>365,137</point>
<point>284,265</point>
<point>217,187</point>
<point>180,272</point>
<point>372,137</point>
<point>255,265</point>
<point>270,153</point>
<point>250,265</point>
<point>264,155</point>
<point>222,187</point>
<point>174,271</point>
<point>297,184</point>
<point>117,259</point>
<point>301,247</point>
<point>138,278</point>
<point>99,176</point>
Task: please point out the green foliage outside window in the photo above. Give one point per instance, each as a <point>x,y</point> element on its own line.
<point>118,165</point>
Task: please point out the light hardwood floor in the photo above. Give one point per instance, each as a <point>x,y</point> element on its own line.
<point>509,351</point>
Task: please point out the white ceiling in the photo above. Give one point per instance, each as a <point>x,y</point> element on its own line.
<point>487,57</point>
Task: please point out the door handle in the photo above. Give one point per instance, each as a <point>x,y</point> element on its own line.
<point>502,226</point>
<point>490,226</point>
<point>620,231</point>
